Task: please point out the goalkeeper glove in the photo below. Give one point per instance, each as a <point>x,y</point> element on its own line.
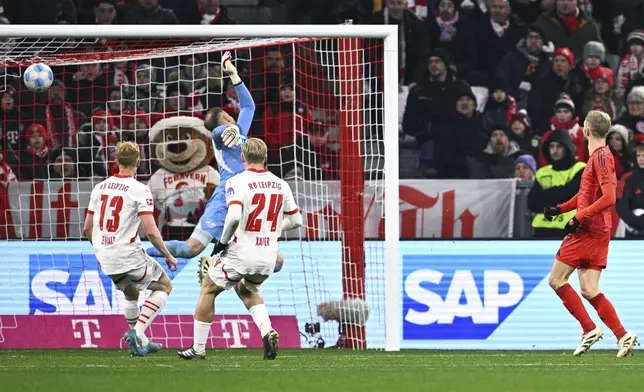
<point>231,136</point>
<point>230,68</point>
<point>571,226</point>
<point>550,212</point>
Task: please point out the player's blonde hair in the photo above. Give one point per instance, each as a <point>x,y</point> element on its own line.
<point>127,154</point>
<point>598,122</point>
<point>254,151</point>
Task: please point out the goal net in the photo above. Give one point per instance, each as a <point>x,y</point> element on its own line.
<point>322,107</point>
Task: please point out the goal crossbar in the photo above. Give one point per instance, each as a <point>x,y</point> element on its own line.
<point>388,33</point>
<point>199,31</point>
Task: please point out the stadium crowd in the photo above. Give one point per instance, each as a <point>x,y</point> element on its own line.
<point>488,89</point>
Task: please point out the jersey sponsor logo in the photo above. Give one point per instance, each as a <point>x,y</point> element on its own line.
<point>230,192</point>
<point>73,284</point>
<point>150,202</point>
<point>465,297</point>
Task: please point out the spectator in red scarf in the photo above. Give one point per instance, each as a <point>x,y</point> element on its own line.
<point>60,117</point>
<point>618,139</point>
<point>565,118</point>
<point>500,106</point>
<point>631,63</point>
<point>97,153</point>
<point>602,96</point>
<point>34,158</point>
<point>568,26</point>
<point>580,77</point>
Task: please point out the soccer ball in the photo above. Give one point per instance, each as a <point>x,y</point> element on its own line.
<point>38,77</point>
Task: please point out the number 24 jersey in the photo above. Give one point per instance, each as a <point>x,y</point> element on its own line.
<point>265,199</point>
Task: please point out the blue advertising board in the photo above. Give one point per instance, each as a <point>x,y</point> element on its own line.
<point>495,295</point>
<point>455,295</point>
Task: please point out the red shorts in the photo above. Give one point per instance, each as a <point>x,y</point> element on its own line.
<point>580,250</point>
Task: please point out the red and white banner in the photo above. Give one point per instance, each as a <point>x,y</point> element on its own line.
<point>428,209</point>
<point>106,331</point>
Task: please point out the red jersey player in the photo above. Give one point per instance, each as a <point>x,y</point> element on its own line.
<point>585,246</point>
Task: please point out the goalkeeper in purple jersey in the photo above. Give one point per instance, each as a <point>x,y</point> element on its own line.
<point>228,137</point>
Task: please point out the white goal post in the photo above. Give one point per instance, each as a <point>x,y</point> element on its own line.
<point>39,35</point>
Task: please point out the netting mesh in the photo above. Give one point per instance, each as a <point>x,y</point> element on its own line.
<point>319,109</point>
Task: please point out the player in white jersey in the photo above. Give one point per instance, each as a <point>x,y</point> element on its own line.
<point>117,207</point>
<point>260,205</point>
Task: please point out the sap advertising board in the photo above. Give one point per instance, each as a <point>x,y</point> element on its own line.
<point>455,295</point>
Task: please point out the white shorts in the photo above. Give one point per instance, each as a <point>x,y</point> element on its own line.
<point>140,277</point>
<point>227,278</point>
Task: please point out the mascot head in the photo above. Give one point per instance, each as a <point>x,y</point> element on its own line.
<point>181,144</point>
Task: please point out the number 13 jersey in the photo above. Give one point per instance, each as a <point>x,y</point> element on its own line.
<point>116,205</point>
<point>265,199</point>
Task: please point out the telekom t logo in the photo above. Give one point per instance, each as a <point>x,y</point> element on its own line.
<point>238,330</point>
<point>86,331</point>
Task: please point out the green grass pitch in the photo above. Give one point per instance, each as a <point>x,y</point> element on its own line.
<point>320,370</point>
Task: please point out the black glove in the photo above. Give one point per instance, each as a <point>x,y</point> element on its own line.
<point>571,226</point>
<point>219,247</point>
<point>550,212</point>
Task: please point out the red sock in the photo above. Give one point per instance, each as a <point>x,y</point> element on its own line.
<point>607,313</point>
<point>572,302</point>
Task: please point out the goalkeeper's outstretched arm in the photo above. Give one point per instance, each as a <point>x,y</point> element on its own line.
<point>246,103</point>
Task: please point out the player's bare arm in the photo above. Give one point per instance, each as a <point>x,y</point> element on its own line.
<point>233,217</point>
<point>154,236</point>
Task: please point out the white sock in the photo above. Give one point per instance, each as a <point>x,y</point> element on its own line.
<point>131,313</point>
<point>261,319</point>
<point>151,308</point>
<point>201,331</point>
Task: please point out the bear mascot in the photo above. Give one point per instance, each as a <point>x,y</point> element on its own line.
<point>182,148</point>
